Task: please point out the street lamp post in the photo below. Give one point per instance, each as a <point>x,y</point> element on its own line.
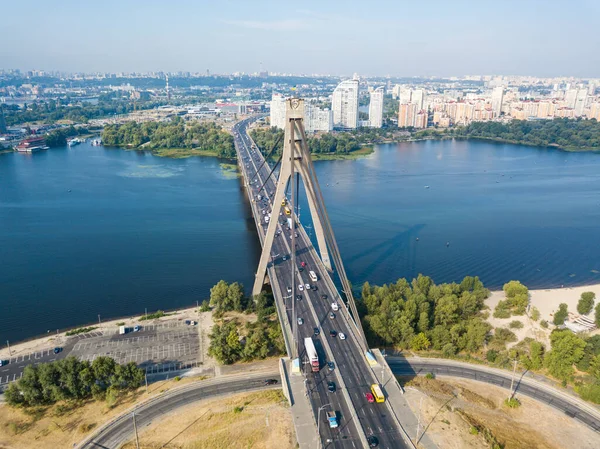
<point>512,379</point>
<point>319,422</point>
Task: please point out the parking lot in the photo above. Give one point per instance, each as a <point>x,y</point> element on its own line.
<point>156,347</point>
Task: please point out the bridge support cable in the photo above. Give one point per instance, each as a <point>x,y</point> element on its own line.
<point>295,158</point>
<point>266,158</point>
<point>313,189</point>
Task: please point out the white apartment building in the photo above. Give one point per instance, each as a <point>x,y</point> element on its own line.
<point>278,111</point>
<point>376,108</point>
<point>345,104</point>
<point>418,98</point>
<point>497,97</point>
<point>317,119</point>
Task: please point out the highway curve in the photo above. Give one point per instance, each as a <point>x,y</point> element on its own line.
<point>120,430</point>
<point>569,405</point>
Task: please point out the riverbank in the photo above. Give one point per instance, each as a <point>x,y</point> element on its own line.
<point>361,152</point>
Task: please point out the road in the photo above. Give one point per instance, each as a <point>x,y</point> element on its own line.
<point>120,429</point>
<point>570,406</point>
<point>314,309</point>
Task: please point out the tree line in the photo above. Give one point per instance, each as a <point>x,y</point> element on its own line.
<point>173,134</point>
<point>574,134</point>
<point>72,379</point>
<point>231,342</point>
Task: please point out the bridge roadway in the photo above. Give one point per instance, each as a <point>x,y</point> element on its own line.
<point>350,362</point>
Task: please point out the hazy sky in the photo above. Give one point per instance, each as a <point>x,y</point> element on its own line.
<point>371,37</point>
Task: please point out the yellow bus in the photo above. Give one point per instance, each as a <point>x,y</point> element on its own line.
<point>288,211</point>
<point>377,393</point>
<point>283,202</point>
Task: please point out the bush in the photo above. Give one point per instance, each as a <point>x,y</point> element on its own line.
<point>429,376</point>
<point>491,355</point>
<point>177,378</point>
<point>597,315</point>
<point>86,427</point>
<point>237,409</point>
<point>512,403</point>
<point>121,323</point>
<point>561,315</point>
<point>205,306</point>
<point>535,314</point>
<point>155,315</point>
<point>586,303</point>
<point>544,324</point>
<point>502,309</point>
<point>515,324</point>
<point>504,335</point>
<point>473,430</point>
<point>589,392</point>
<point>81,330</point>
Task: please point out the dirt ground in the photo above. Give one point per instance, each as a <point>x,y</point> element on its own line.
<point>262,421</point>
<point>452,410</point>
<point>62,425</point>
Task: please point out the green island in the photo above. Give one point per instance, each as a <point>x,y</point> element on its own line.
<point>330,146</point>
<point>563,133</point>
<point>175,139</point>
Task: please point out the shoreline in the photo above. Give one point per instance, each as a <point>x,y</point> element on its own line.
<point>545,300</point>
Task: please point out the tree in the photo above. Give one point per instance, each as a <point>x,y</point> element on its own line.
<point>597,315</point>
<point>218,296</point>
<point>536,354</point>
<point>420,342</point>
<point>235,296</point>
<point>561,315</point>
<point>586,303</point>
<point>567,349</point>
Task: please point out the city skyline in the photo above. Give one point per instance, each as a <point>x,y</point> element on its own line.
<point>390,38</point>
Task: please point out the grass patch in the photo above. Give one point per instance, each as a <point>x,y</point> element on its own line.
<point>81,330</point>
<point>180,153</point>
<point>512,403</point>
<point>361,152</point>
<point>516,324</point>
<point>86,427</point>
<point>121,323</point>
<point>155,315</point>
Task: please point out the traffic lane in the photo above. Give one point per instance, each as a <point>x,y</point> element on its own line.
<point>14,369</point>
<point>122,430</point>
<point>405,368</point>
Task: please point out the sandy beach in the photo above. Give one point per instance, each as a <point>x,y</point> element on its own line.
<point>546,301</point>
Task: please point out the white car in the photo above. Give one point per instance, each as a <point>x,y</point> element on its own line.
<point>301,322</point>
<point>334,306</point>
<point>342,336</point>
<point>307,286</point>
<point>301,287</point>
<point>289,289</point>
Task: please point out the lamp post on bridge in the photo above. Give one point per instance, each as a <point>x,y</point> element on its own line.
<point>319,423</point>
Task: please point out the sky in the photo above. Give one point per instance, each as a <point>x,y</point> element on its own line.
<point>369,37</point>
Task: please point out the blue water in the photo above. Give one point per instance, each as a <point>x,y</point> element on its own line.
<point>137,231</point>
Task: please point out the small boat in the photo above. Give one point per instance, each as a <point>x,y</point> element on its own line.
<point>426,187</point>
<point>447,244</point>
<point>73,142</point>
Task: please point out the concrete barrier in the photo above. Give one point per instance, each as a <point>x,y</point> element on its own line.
<point>285,384</point>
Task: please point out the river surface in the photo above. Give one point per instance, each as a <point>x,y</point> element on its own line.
<point>91,231</point>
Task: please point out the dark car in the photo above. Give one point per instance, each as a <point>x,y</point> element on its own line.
<point>57,350</point>
<point>373,441</point>
<point>300,269</point>
<point>270,381</point>
<point>317,331</point>
<point>331,366</point>
<point>323,296</point>
<point>332,333</point>
<point>331,315</point>
<point>331,387</point>
<point>298,297</point>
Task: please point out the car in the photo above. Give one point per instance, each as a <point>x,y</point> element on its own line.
<point>323,296</point>
<point>284,257</point>
<point>270,381</point>
<point>289,289</point>
<point>300,269</point>
<point>369,397</point>
<point>342,336</point>
<point>137,328</point>
<point>331,315</point>
<point>332,333</point>
<point>317,331</point>
<point>188,322</point>
<point>57,349</point>
<point>296,234</point>
<point>313,287</point>
<point>301,287</point>
<point>307,286</point>
<point>331,386</point>
<point>373,441</point>
<point>334,306</point>
<point>3,362</point>
<point>300,321</point>
<point>331,366</point>
<point>298,297</point>
<point>303,264</point>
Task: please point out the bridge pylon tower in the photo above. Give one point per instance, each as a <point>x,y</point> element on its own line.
<point>296,160</point>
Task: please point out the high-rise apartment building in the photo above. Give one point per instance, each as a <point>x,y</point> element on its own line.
<point>421,119</point>
<point>277,115</point>
<point>345,104</point>
<point>404,95</point>
<point>376,108</point>
<point>580,102</point>
<point>407,114</point>
<point>418,98</point>
<point>497,97</point>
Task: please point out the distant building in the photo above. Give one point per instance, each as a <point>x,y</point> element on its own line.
<point>3,129</point>
<point>376,108</point>
<point>278,111</point>
<point>421,119</point>
<point>407,115</point>
<point>404,95</point>
<point>497,97</point>
<point>317,119</point>
<point>418,98</point>
<point>580,102</point>
<point>345,104</point>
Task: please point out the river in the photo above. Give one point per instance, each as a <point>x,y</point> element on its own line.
<point>90,231</point>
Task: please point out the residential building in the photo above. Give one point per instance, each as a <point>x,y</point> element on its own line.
<point>317,119</point>
<point>421,119</point>
<point>497,97</point>
<point>376,108</point>
<point>418,98</point>
<point>278,111</point>
<point>407,114</point>
<point>345,104</point>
